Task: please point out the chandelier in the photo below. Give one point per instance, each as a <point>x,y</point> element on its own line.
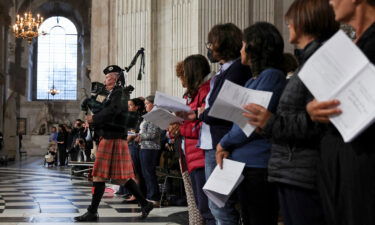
<point>53,91</point>
<point>26,27</point>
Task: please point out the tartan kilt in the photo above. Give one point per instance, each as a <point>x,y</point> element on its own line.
<point>113,160</point>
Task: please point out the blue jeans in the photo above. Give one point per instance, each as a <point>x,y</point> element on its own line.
<point>227,215</point>
<point>135,153</point>
<point>149,160</point>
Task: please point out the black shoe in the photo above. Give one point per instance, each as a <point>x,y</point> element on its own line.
<point>126,196</point>
<point>88,216</point>
<point>146,210</point>
<point>130,200</point>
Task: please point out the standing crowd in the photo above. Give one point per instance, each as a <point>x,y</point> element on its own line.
<point>296,162</point>
<point>67,143</point>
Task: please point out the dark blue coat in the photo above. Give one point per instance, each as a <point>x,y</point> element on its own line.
<point>238,74</point>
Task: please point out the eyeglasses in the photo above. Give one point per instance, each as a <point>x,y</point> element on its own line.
<point>208,45</point>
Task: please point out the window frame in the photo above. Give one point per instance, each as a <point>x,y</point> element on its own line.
<point>69,29</point>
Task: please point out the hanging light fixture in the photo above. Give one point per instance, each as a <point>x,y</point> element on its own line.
<point>27,27</point>
<point>53,91</point>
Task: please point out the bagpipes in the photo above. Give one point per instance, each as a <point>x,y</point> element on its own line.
<point>98,92</point>
<point>94,103</point>
<point>140,52</point>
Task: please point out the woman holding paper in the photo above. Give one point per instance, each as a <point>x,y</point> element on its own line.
<point>149,138</point>
<point>262,50</point>
<point>196,79</point>
<point>347,170</point>
<point>138,106</point>
<point>295,138</point>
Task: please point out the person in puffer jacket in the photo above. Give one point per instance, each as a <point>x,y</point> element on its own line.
<point>295,138</point>
<point>195,78</point>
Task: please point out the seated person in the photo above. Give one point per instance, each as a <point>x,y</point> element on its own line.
<point>50,157</point>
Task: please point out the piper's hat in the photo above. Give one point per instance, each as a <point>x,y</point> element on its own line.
<point>112,68</point>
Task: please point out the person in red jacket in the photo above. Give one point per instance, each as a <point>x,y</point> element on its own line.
<point>195,79</point>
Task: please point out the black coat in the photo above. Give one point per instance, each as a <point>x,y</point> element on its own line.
<point>110,122</point>
<point>295,138</point>
<point>347,170</point>
<point>62,137</point>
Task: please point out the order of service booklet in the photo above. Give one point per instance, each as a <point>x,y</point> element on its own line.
<point>230,101</point>
<point>222,182</point>
<point>339,70</point>
<point>170,102</point>
<point>161,117</point>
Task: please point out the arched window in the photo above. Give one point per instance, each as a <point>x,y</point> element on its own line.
<point>57,60</point>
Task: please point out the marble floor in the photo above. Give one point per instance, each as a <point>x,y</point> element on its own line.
<point>33,194</point>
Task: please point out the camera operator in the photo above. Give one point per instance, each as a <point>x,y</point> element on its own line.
<point>76,133</point>
<point>80,146</point>
<point>113,160</point>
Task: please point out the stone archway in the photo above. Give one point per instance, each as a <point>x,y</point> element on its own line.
<point>18,68</point>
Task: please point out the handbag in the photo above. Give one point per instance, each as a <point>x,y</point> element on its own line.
<point>49,158</point>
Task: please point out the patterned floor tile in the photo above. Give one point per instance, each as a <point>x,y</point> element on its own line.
<point>51,196</point>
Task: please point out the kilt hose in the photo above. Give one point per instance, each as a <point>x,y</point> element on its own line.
<point>113,160</point>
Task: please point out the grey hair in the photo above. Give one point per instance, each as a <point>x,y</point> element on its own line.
<point>150,98</point>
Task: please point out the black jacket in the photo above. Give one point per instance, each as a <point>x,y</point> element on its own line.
<point>347,170</point>
<point>62,137</point>
<point>362,143</point>
<point>236,73</point>
<point>295,138</point>
<point>110,122</point>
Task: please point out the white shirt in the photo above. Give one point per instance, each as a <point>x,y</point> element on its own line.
<point>205,139</point>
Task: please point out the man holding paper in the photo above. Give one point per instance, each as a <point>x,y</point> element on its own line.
<point>347,170</point>
<point>224,45</point>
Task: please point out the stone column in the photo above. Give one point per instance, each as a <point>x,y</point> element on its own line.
<point>4,24</point>
<point>213,12</point>
<point>169,30</point>
<point>178,37</point>
<point>10,122</point>
<point>10,99</point>
<point>273,11</point>
<point>263,10</point>
<point>103,37</point>
<point>282,7</point>
<point>3,48</point>
<point>182,28</point>
<point>135,24</point>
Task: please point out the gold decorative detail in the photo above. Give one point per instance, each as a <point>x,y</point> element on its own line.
<point>27,27</point>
